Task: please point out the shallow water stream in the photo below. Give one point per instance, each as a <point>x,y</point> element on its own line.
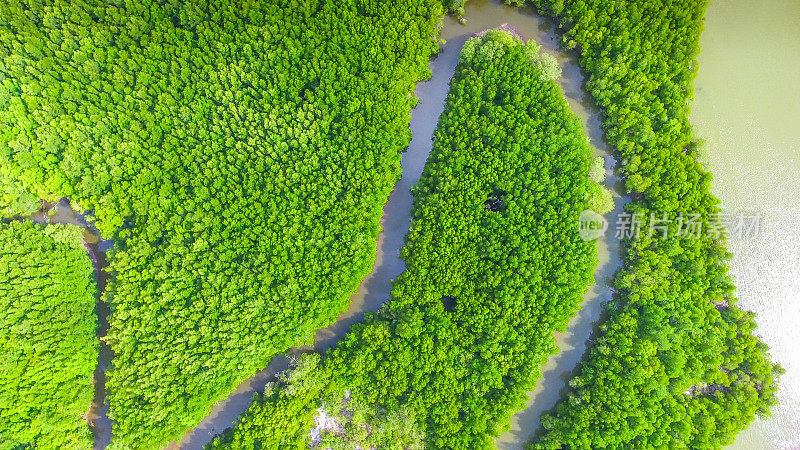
<point>63,213</point>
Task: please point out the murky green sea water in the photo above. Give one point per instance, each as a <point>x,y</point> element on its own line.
<point>747,107</point>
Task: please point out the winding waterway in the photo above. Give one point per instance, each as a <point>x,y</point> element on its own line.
<point>374,290</point>
<point>62,212</point>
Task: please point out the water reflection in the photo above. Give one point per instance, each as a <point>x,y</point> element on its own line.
<point>747,109</point>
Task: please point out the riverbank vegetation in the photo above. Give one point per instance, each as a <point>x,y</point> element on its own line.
<point>239,155</point>
<point>675,364</point>
<point>48,348</point>
<point>495,266</point>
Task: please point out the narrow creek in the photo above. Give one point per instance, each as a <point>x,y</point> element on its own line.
<point>374,290</point>
<point>62,212</point>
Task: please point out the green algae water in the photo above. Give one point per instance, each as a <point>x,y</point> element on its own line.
<point>747,108</point>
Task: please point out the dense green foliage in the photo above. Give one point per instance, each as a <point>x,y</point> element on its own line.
<point>48,349</point>
<point>239,154</point>
<point>494,267</point>
<point>675,364</point>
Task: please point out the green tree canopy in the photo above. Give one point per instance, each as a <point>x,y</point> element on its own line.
<point>238,153</point>
<point>675,364</point>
